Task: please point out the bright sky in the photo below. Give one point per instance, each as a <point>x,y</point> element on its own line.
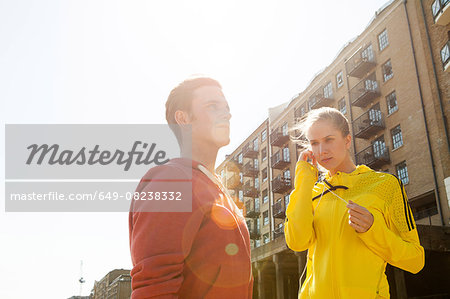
<point>91,61</point>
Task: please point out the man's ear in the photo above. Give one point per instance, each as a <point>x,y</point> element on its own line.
<point>182,117</point>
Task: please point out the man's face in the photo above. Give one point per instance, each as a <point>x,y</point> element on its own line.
<point>210,117</point>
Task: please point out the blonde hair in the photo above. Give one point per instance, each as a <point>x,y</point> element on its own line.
<point>334,116</point>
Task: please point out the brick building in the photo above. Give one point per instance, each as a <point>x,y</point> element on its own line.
<point>393,84</point>
<point>114,285</point>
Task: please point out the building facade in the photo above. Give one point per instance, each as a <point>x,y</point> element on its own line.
<point>392,82</point>
<point>114,285</point>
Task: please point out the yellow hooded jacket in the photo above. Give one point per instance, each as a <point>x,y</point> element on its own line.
<point>343,263</point>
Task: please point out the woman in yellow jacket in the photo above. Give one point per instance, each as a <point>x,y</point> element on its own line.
<point>353,222</point>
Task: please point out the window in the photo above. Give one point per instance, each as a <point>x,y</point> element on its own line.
<point>383,41</point>
<point>445,54</point>
<point>265,196</point>
<point>391,102</point>
<point>256,183</point>
<point>339,79</point>
<point>240,157</point>
<point>263,135</point>
<point>257,243</point>
<point>257,204</point>
<point>287,174</point>
<point>379,147</point>
<point>264,154</point>
<point>241,196</point>
<point>258,224</point>
<point>265,217</point>
<point>436,7</point>
<point>286,154</point>
<point>241,177</point>
<point>375,114</point>
<point>300,111</point>
<point>286,200</point>
<point>255,163</point>
<point>255,144</point>
<point>397,139</point>
<point>328,91</point>
<point>387,71</point>
<point>284,129</point>
<point>264,174</point>
<point>266,238</point>
<point>342,106</point>
<point>367,54</point>
<point>402,172</point>
<point>222,174</point>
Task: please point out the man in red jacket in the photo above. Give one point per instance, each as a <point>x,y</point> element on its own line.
<point>204,253</point>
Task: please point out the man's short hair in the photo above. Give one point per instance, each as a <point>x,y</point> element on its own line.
<point>180,98</point>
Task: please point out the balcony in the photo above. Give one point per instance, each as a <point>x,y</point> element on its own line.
<point>278,232</point>
<point>255,233</point>
<point>368,124</point>
<point>251,211</point>
<point>360,63</point>
<point>249,170</point>
<point>250,191</point>
<point>234,182</point>
<point>278,138</point>
<point>279,160</point>
<point>278,210</point>
<point>365,91</point>
<point>441,12</point>
<point>319,99</point>
<point>281,184</point>
<point>373,158</point>
<point>249,152</point>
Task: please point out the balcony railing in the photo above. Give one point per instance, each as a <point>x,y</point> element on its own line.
<point>250,170</point>
<point>279,210</point>
<point>319,99</point>
<point>281,184</point>
<point>278,232</point>
<point>250,191</point>
<point>255,233</point>
<point>425,213</point>
<point>251,211</point>
<point>234,182</point>
<point>278,138</point>
<point>365,91</point>
<point>360,63</point>
<point>279,160</point>
<point>368,124</point>
<point>441,12</point>
<point>249,151</point>
<point>373,157</point>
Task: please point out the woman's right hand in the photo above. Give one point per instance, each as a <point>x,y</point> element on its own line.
<point>308,156</point>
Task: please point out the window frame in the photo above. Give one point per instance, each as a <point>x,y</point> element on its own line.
<point>387,77</point>
<point>339,74</point>
<point>381,44</point>
<point>397,137</point>
<point>389,97</point>
<point>405,167</point>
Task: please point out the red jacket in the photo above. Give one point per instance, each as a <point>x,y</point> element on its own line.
<point>200,254</point>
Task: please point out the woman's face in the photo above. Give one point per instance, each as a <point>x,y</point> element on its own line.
<point>328,145</point>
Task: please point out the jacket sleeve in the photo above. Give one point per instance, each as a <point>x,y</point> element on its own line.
<point>159,243</point>
<point>298,228</point>
<point>393,236</point>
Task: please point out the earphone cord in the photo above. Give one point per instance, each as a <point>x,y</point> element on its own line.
<point>307,255</point>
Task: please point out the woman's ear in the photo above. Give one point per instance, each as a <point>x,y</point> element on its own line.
<point>348,141</point>
<point>181,117</point>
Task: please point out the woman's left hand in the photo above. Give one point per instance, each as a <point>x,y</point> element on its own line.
<point>359,217</point>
